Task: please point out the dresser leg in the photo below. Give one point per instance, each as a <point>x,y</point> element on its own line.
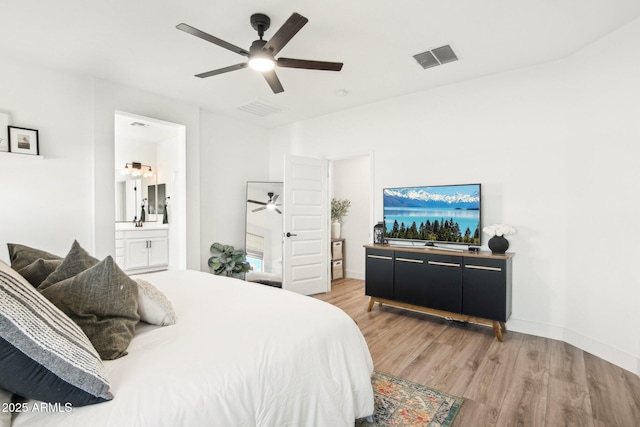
<point>497,330</point>
<point>371,302</point>
<point>503,327</point>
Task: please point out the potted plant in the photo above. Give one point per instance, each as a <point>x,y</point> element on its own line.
<point>339,209</point>
<point>228,261</point>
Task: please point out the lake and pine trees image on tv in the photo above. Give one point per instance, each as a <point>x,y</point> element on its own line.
<point>445,213</point>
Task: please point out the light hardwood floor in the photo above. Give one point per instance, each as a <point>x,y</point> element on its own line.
<point>524,381</point>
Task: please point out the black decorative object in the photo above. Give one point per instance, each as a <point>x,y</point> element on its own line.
<point>142,211</point>
<point>165,216</point>
<point>498,244</point>
<point>378,233</point>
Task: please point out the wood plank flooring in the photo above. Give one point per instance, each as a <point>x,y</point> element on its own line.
<point>525,381</point>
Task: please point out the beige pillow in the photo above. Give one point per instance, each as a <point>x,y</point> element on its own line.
<point>103,301</point>
<point>153,306</point>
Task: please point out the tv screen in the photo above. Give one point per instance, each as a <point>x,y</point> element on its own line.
<point>436,214</point>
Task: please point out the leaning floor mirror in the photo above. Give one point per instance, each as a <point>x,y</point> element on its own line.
<point>264,232</point>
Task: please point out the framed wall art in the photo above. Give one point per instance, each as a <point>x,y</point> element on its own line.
<point>23,141</point>
<point>4,134</point>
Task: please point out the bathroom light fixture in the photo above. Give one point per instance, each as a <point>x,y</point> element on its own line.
<point>138,169</point>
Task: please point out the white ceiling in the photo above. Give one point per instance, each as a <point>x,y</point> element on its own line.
<point>135,43</point>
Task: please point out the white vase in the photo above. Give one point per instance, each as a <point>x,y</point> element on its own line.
<point>335,230</point>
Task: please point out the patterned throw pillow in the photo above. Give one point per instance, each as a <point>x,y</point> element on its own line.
<point>103,301</point>
<point>44,355</point>
<point>153,306</point>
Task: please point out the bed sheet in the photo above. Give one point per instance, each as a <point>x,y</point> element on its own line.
<point>240,354</point>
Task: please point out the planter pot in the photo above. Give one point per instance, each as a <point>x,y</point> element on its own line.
<point>335,230</point>
<point>498,244</point>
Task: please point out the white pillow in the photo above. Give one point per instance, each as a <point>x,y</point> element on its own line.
<point>153,306</point>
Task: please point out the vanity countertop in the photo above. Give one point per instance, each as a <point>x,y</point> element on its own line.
<point>145,226</point>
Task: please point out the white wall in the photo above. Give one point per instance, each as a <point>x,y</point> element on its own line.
<point>232,153</point>
<point>36,209</point>
<point>554,147</point>
<point>603,287</point>
<point>351,180</point>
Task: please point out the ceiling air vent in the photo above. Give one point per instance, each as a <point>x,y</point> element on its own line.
<point>437,56</point>
<point>259,108</point>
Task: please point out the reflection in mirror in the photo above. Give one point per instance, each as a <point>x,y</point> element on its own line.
<point>132,192</point>
<point>263,242</point>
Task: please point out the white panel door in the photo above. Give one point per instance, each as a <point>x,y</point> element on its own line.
<point>306,225</point>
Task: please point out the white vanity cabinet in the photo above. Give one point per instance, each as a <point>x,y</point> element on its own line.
<point>140,250</point>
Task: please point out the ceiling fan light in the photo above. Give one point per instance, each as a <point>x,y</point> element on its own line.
<point>261,64</point>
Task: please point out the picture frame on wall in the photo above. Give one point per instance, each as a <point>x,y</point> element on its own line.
<point>23,141</point>
<point>5,121</point>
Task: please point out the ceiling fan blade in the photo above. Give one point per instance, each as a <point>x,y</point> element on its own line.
<point>258,209</point>
<point>278,210</point>
<point>256,202</point>
<point>222,70</point>
<point>274,199</point>
<point>274,81</point>
<point>309,65</point>
<point>208,37</point>
<point>286,32</point>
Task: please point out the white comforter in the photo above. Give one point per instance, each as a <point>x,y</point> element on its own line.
<point>240,354</point>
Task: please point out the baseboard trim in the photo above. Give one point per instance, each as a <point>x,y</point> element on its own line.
<point>350,274</point>
<point>604,351</point>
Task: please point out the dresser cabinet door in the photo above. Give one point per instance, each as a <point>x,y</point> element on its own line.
<point>379,274</point>
<point>409,278</point>
<point>444,283</point>
<point>486,290</point>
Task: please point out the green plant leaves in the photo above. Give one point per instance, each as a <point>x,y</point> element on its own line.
<point>227,261</point>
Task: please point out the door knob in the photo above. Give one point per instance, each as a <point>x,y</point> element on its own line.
<point>290,234</point>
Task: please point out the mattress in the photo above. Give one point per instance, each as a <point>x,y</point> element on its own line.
<point>240,354</point>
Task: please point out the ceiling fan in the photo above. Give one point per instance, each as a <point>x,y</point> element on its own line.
<point>270,204</point>
<point>262,53</point>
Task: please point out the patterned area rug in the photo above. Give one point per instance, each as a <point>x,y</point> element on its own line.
<point>399,402</point>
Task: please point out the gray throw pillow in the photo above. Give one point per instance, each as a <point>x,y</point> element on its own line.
<point>76,261</point>
<point>103,301</point>
<point>21,255</point>
<point>44,354</point>
<point>39,270</point>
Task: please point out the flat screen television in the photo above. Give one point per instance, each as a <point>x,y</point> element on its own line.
<point>447,214</point>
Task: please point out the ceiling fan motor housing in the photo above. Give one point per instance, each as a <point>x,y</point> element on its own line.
<point>257,49</point>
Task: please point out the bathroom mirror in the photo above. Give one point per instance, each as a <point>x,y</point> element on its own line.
<point>131,193</point>
<point>263,232</point>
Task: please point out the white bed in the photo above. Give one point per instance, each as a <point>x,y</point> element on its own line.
<point>240,354</point>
